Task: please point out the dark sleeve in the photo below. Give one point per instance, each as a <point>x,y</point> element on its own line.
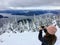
<point>45,30</point>
<point>40,35</point>
<point>42,39</point>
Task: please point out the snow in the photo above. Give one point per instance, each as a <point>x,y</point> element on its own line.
<point>25,38</point>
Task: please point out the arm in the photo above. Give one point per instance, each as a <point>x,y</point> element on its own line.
<point>42,39</point>
<point>45,30</point>
<point>40,35</point>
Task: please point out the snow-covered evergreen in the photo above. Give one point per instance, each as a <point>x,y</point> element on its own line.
<point>26,23</point>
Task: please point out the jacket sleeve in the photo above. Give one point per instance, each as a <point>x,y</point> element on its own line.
<point>41,38</point>
<point>40,35</point>
<point>45,30</point>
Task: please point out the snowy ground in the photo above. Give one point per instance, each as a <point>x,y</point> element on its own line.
<point>26,38</point>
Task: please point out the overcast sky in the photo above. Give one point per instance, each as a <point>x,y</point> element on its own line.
<point>28,3</point>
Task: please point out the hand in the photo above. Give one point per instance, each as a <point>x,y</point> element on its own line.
<point>39,28</point>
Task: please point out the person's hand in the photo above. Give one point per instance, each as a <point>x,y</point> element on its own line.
<point>39,28</point>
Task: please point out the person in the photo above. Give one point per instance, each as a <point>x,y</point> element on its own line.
<point>49,37</point>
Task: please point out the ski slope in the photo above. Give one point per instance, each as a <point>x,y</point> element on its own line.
<point>25,38</point>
